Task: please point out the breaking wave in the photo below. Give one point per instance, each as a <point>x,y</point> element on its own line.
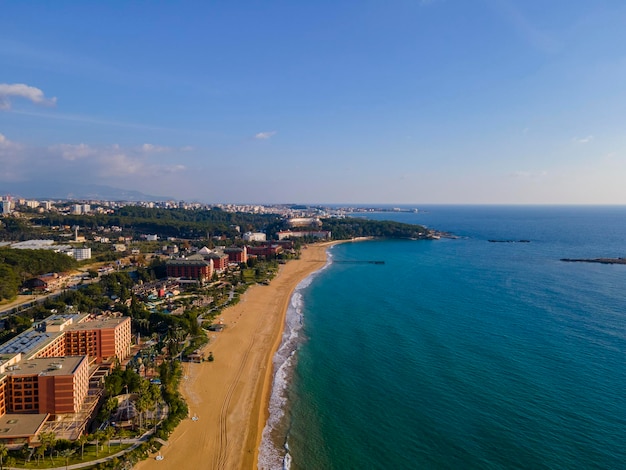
<point>274,450</point>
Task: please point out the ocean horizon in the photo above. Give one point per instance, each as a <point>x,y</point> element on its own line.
<point>459,353</point>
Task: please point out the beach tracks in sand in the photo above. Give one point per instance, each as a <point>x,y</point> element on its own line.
<point>221,455</point>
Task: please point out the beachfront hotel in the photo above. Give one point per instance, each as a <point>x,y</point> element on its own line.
<point>102,339</point>
<point>192,267</point>
<point>45,374</point>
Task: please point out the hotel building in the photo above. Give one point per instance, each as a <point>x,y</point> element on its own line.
<point>193,267</point>
<point>44,371</point>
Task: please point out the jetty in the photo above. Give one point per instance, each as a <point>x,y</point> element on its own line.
<point>595,260</point>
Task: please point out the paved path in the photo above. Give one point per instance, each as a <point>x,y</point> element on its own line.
<point>136,442</point>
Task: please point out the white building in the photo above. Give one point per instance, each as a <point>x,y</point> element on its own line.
<point>254,237</point>
<point>5,207</point>
<point>81,253</point>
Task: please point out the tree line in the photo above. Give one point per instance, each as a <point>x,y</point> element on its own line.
<point>17,266</point>
<point>351,227</point>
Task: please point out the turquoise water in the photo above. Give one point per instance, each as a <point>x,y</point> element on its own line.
<point>460,353</point>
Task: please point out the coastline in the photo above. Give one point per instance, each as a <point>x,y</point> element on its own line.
<point>231,395</point>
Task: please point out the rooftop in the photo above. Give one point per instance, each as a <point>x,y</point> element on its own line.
<point>20,425</point>
<point>187,262</point>
<point>28,341</point>
<point>48,366</point>
<point>101,323</point>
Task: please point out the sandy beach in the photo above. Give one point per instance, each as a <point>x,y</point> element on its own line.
<point>230,395</point>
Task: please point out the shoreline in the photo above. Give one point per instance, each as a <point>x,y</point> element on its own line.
<point>231,395</point>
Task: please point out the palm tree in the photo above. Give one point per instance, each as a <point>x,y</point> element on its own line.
<point>25,453</point>
<point>141,405</point>
<point>3,453</point>
<point>48,440</point>
<point>122,434</point>
<point>97,436</point>
<point>81,441</point>
<point>40,452</point>
<point>109,432</point>
<point>11,461</point>
<point>66,454</point>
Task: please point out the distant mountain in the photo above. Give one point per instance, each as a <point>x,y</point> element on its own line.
<point>59,190</point>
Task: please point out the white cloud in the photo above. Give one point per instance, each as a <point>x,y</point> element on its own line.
<point>187,148</point>
<point>8,91</point>
<point>265,135</point>
<point>150,148</point>
<point>73,152</point>
<point>116,165</point>
<point>111,161</point>
<point>583,140</point>
<point>6,143</point>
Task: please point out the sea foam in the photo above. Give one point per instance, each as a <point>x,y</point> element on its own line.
<point>271,455</point>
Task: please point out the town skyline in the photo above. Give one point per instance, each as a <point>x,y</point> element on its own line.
<point>407,102</point>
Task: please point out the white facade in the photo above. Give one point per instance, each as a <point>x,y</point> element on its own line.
<point>254,237</point>
<point>5,207</point>
<point>82,253</point>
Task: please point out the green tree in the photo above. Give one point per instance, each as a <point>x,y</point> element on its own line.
<point>66,454</point>
<point>97,436</point>
<point>81,441</point>
<point>9,282</point>
<point>109,432</point>
<point>11,461</point>
<point>40,452</point>
<point>3,454</point>
<point>48,439</point>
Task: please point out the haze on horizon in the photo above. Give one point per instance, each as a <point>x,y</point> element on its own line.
<point>405,101</point>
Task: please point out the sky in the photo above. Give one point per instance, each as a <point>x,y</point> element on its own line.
<point>364,101</point>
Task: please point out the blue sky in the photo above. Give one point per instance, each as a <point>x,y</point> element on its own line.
<point>370,101</point>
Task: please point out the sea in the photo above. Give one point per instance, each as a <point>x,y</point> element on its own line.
<point>459,353</point>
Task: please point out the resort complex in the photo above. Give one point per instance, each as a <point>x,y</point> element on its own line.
<point>51,375</point>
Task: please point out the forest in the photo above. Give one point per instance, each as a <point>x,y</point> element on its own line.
<point>16,266</point>
<point>347,228</point>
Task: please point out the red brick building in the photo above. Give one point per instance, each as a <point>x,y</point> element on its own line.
<point>52,385</point>
<point>236,254</point>
<point>194,267</point>
<point>220,260</point>
<point>268,250</point>
<point>102,340</point>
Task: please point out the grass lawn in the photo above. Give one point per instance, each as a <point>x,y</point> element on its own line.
<point>90,454</point>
